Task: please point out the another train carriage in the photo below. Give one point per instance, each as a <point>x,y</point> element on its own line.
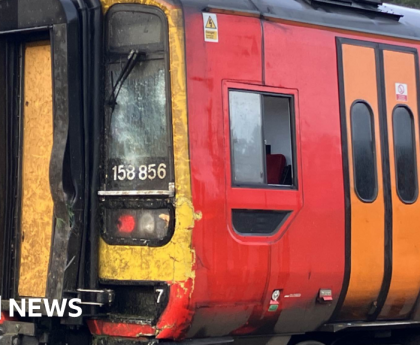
<point>216,171</point>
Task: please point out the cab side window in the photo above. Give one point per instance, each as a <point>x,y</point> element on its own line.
<point>262,139</point>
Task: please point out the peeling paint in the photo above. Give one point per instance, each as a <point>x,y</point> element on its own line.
<point>101,327</point>
<point>177,318</point>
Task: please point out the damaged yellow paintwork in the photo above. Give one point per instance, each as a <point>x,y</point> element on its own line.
<point>37,204</point>
<point>174,261</point>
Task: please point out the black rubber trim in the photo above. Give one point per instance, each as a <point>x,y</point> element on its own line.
<point>383,125</point>
<point>346,180</point>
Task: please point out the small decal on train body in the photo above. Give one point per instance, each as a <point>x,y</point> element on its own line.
<point>274,305</point>
<point>293,295</point>
<point>275,295</point>
<point>401,90</point>
<point>211,28</point>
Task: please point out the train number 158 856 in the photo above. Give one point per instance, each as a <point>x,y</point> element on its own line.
<point>143,172</point>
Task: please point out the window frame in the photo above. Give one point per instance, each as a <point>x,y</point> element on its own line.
<point>413,129</point>
<point>281,199</point>
<point>372,118</point>
<point>109,54</point>
<point>133,7</point>
<point>293,134</point>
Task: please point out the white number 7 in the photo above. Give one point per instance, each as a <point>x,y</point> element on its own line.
<point>160,291</point>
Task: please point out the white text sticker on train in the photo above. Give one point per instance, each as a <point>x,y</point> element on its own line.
<point>211,28</point>
<point>401,91</point>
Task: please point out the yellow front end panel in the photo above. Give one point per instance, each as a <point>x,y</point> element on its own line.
<point>173,262</point>
<point>37,204</point>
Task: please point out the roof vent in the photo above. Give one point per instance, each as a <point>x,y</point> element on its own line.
<point>372,7</point>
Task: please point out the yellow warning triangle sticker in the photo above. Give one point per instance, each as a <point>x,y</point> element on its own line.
<point>210,24</point>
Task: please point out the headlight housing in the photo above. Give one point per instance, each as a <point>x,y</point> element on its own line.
<point>138,226</point>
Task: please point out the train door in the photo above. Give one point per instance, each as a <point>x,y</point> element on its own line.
<point>41,150</point>
<point>400,80</point>
<point>264,191</point>
<point>263,180</point>
<point>379,117</point>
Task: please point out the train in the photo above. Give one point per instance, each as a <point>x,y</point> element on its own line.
<point>209,172</point>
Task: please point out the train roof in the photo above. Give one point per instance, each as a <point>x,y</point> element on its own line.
<point>368,16</point>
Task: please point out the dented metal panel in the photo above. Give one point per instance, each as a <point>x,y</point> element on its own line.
<point>37,204</point>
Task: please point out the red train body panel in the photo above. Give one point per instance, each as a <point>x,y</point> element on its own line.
<point>308,253</point>
<point>236,275</point>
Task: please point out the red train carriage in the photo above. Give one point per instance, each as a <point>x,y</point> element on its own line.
<point>209,171</point>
